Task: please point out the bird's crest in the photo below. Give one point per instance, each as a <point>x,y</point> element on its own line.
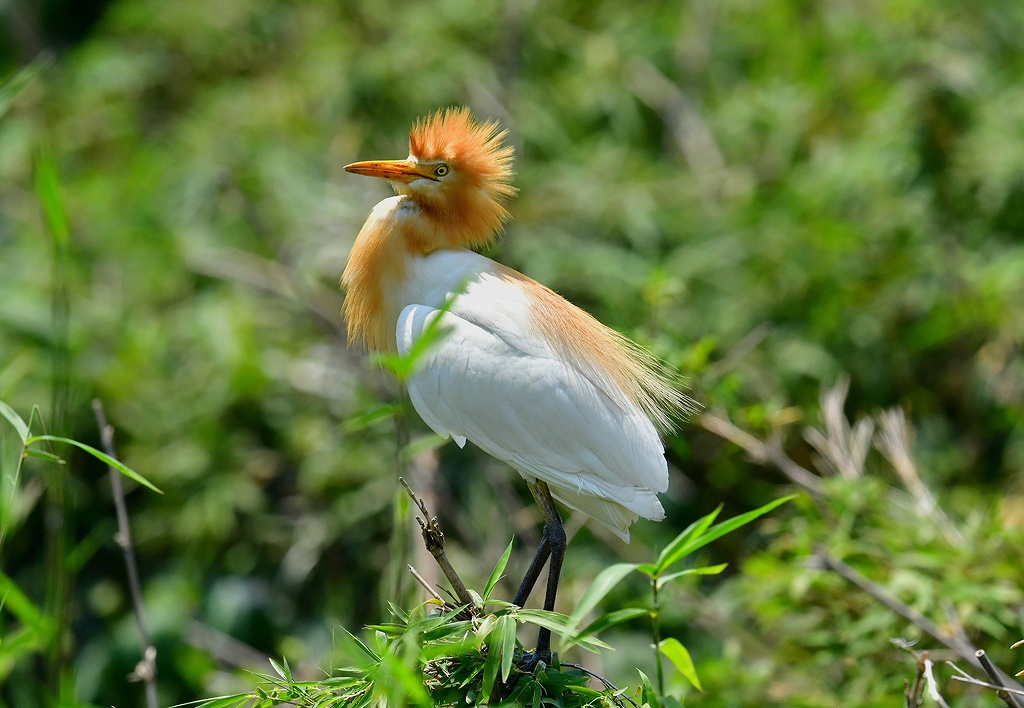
<point>474,149</point>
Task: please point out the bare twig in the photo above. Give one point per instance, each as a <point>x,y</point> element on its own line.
<point>433,539</point>
<point>225,648</point>
<point>682,118</point>
<point>145,670</point>
<point>967,678</point>
<point>933,689</point>
<point>843,448</point>
<point>993,675</point>
<point>963,648</point>
<point>751,341</point>
<point>913,692</point>
<point>894,442</point>
<point>426,586</point>
<point>762,452</point>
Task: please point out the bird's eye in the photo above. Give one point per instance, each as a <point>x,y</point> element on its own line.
<point>441,170</point>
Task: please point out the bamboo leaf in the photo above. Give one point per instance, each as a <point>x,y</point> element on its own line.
<point>609,620</point>
<point>508,645</point>
<point>498,570</point>
<point>681,659</point>
<point>279,670</point>
<point>719,530</point>
<point>705,570</point>
<point>18,82</point>
<point>677,548</point>
<point>602,585</point>
<point>17,603</point>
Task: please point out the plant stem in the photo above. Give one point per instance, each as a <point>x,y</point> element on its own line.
<point>145,670</point>
<point>656,634</point>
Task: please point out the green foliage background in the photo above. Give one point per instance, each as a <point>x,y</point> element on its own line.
<point>770,194</point>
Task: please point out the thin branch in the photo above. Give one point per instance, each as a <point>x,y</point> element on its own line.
<point>750,341</point>
<point>894,442</point>
<point>964,649</point>
<point>933,689</point>
<point>145,670</point>
<point>225,648</point>
<point>967,678</point>
<point>763,452</point>
<point>993,674</point>
<point>681,116</point>
<point>426,586</point>
<point>433,539</point>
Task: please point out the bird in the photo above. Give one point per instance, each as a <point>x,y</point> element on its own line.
<point>575,407</point>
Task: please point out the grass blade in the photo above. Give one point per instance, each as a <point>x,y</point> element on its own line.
<point>15,420</point>
<point>102,456</point>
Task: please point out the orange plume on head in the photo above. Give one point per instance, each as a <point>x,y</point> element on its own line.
<point>474,149</point>
<point>469,211</point>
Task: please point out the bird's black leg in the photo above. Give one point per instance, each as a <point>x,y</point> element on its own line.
<point>553,543</point>
<point>530,579</point>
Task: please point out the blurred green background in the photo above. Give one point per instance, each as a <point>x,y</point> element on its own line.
<point>771,195</point>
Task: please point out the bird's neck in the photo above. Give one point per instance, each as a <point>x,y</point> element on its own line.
<point>382,263</point>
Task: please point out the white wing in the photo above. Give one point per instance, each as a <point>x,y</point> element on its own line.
<point>492,381</point>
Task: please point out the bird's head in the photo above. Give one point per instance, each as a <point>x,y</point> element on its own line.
<point>458,172</point>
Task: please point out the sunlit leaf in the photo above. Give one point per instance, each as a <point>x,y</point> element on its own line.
<point>705,570</point>
<point>498,570</point>
<point>678,547</point>
<point>681,659</point>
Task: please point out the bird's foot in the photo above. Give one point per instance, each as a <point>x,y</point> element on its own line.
<point>532,662</point>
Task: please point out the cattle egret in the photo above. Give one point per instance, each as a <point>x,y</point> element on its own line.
<point>524,374</point>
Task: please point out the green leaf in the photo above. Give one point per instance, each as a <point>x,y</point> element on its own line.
<point>18,82</point>
<point>48,193</point>
<point>680,658</point>
<point>44,455</point>
<point>705,570</point>
<point>676,549</point>
<point>695,541</point>
<point>608,620</point>
<point>648,696</point>
<point>507,630</point>
<point>365,420</point>
<point>374,656</point>
<point>102,456</point>
<point>719,530</point>
<point>602,585</point>
<point>560,625</point>
<point>17,603</point>
<point>280,670</point>
<point>495,647</point>
<point>404,366</point>
<point>15,420</point>
<point>498,570</point>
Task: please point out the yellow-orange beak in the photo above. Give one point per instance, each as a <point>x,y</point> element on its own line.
<point>394,170</point>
